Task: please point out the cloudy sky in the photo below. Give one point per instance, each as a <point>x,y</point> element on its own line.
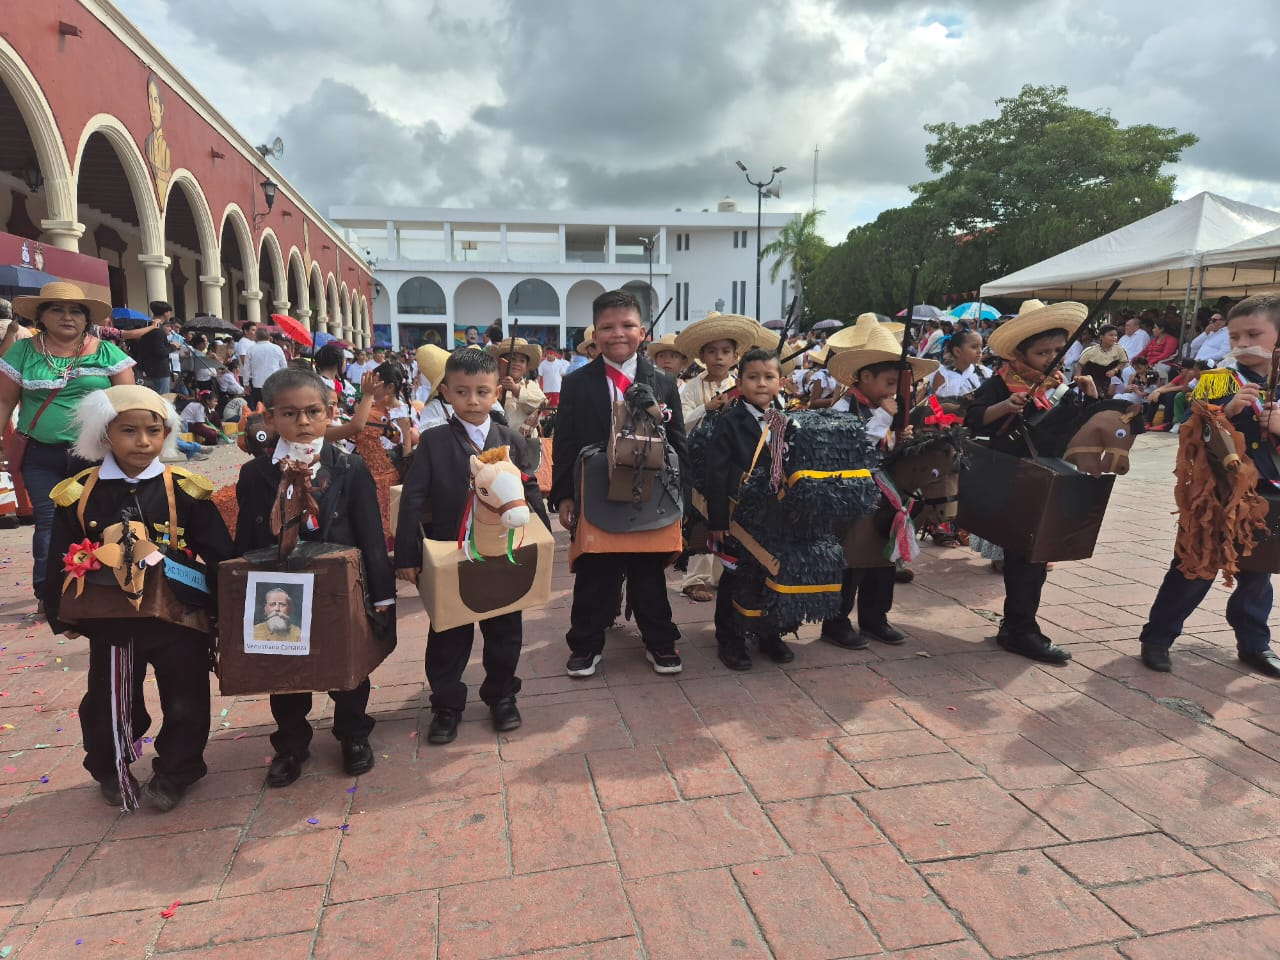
<point>583,103</point>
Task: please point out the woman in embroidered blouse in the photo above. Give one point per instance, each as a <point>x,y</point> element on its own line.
<point>44,379</point>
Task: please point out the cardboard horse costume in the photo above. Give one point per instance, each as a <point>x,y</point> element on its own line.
<point>501,561</point>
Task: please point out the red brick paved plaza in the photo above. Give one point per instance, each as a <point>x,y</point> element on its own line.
<point>938,801</point>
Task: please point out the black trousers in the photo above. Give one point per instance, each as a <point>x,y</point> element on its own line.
<point>871,590</point>
<point>729,629</point>
<point>449,650</point>
<point>596,588</point>
<point>293,732</point>
<point>1023,584</point>
<point>180,659</point>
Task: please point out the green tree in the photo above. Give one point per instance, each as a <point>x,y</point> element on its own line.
<point>1044,176</point>
<point>799,245</point>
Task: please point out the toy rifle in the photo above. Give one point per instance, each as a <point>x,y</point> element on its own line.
<point>648,337</point>
<point>504,365</point>
<point>794,313</point>
<point>906,382</point>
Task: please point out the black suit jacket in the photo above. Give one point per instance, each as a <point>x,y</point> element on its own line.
<point>585,416</point>
<point>349,514</point>
<point>733,444</point>
<point>440,478</point>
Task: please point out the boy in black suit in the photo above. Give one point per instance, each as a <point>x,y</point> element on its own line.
<point>299,408</point>
<point>438,484</point>
<point>735,450</point>
<point>585,418</point>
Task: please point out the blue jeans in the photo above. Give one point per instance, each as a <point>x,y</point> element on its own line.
<point>1178,597</point>
<point>159,384</point>
<point>44,466</point>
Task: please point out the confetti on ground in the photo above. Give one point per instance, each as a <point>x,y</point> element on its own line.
<point>10,769</point>
<point>44,779</point>
<point>239,736</point>
<point>5,951</point>
<point>351,789</point>
<point>344,827</point>
<point>224,713</point>
<point>412,735</point>
<point>79,941</point>
<point>312,820</point>
<point>170,910</point>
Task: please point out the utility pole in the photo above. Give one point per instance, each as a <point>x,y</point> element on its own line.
<point>760,186</point>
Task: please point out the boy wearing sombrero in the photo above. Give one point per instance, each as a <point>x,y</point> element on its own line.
<point>717,341</point>
<point>870,370</point>
<point>521,397</point>
<point>666,356</point>
<point>1028,344</point>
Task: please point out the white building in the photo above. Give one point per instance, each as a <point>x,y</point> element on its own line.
<point>443,272</point>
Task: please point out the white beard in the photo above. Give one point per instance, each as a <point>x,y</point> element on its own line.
<point>277,624</point>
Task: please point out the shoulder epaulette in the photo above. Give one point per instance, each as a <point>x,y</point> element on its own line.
<point>194,485</point>
<point>69,490</point>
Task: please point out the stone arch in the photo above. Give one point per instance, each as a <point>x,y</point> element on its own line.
<point>199,205</point>
<point>476,303</point>
<point>269,245</point>
<point>533,297</point>
<point>335,305</point>
<point>344,298</point>
<point>421,296</point>
<point>42,127</point>
<point>577,311</point>
<point>298,278</point>
<point>246,252</point>
<point>136,173</point>
<point>319,308</point>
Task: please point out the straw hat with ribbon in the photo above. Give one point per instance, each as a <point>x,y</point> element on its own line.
<point>588,340</point>
<point>431,360</point>
<point>519,345</point>
<point>666,344</point>
<point>743,331</point>
<point>1035,317</point>
<point>61,292</point>
<point>857,334</point>
<point>880,347</point>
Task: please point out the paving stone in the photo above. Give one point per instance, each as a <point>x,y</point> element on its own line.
<point>1012,762</point>
<point>397,926</point>
<point>1080,811</point>
<point>1193,801</point>
<point>789,770</point>
<point>803,914</point>
<point>903,771</point>
<point>1254,863</point>
<point>901,908</point>
<point>657,713</point>
<point>273,863</point>
<point>929,676</point>
<point>1174,903</point>
<point>819,824</point>
<point>701,768</point>
<point>695,916</point>
<point>887,746</point>
<point>631,777</point>
<point>1117,744</point>
<point>133,929</point>
<point>1126,859</point>
<point>1244,940</point>
<point>519,916</point>
<point>554,820</point>
<point>955,819</point>
<point>690,835</point>
<point>267,914</point>
<point>573,728</point>
<point>24,873</point>
<point>1018,903</point>
<point>296,946</point>
<point>968,713</point>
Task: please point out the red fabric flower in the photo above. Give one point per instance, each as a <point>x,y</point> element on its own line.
<point>80,559</point>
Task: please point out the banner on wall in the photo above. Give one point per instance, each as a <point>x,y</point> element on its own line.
<point>33,258</point>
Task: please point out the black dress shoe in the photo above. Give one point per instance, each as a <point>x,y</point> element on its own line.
<point>885,633</point>
<point>1033,646</point>
<point>111,792</point>
<point>733,654</point>
<point>776,649</point>
<point>444,726</point>
<point>842,634</point>
<point>903,575</point>
<point>506,716</point>
<point>1156,657</point>
<point>285,768</point>
<point>1264,661</point>
<point>163,793</point>
<point>357,756</point>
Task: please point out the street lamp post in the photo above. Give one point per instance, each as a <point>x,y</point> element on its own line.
<point>760,186</point>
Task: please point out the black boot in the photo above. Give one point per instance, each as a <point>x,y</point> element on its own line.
<point>733,653</point>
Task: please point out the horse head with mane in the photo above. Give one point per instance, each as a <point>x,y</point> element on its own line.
<point>926,468</point>
<point>1102,443</point>
<point>499,505</point>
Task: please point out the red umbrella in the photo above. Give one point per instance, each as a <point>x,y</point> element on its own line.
<point>293,329</point>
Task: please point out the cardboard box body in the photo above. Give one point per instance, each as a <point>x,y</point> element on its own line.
<point>1043,510</point>
<point>396,490</point>
<point>102,599</point>
<point>343,647</point>
<point>457,591</point>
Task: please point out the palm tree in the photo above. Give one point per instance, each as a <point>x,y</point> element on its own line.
<point>798,245</point>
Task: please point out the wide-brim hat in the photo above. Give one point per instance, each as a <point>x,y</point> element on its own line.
<point>856,335</point>
<point>1034,318</point>
<point>588,339</point>
<point>880,347</point>
<point>666,344</point>
<point>61,292</point>
<point>431,360</point>
<point>518,345</point>
<point>743,331</point>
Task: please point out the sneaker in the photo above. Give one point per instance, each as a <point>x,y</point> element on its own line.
<point>201,455</point>
<point>669,662</point>
<point>582,664</point>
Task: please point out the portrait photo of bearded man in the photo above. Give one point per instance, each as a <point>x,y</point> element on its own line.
<point>275,620</point>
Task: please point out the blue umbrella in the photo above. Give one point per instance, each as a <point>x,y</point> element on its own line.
<point>19,279</point>
<point>132,318</point>
<point>974,310</point>
<point>321,338</point>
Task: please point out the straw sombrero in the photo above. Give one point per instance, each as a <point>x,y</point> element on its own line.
<point>743,331</point>
<point>665,344</point>
<point>588,337</point>
<point>522,346</point>
<point>1035,317</point>
<point>431,360</point>
<point>61,292</point>
<point>880,347</point>
<point>856,335</point>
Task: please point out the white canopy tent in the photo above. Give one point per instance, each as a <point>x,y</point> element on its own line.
<point>1256,260</point>
<point>1163,256</point>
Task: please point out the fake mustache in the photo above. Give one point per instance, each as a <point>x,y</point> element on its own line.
<point>1258,352</point>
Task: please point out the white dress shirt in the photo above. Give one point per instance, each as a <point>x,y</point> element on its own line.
<point>110,470</point>
<point>628,370</point>
<point>1134,343</point>
<point>1216,346</point>
<point>476,433</point>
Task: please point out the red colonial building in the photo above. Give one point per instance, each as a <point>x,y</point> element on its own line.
<point>109,156</point>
